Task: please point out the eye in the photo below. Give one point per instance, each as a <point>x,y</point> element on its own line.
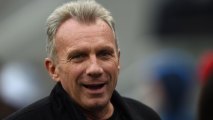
<point>105,54</point>
<point>77,57</point>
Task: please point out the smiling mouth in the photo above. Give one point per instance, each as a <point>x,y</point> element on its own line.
<point>94,86</point>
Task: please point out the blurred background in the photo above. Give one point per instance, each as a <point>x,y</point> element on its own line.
<point>161,41</point>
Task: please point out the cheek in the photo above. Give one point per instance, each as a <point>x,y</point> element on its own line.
<point>69,79</point>
<point>74,69</point>
<point>77,70</point>
<point>113,67</point>
<point>66,78</point>
<point>74,74</point>
<point>67,74</point>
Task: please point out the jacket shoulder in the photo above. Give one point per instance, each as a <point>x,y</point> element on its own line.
<point>140,110</point>
<point>32,112</point>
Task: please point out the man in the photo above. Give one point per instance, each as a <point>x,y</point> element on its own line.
<point>83,58</point>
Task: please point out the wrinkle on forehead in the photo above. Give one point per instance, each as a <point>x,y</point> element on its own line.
<point>71,32</point>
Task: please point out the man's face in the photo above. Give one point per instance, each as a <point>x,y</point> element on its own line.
<point>88,62</point>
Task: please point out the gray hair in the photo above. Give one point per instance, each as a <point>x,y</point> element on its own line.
<point>84,11</point>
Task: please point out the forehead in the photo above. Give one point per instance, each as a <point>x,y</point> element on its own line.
<point>74,31</point>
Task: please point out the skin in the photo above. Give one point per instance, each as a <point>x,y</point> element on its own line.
<point>87,66</point>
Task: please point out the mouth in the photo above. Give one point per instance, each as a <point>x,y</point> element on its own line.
<point>94,86</point>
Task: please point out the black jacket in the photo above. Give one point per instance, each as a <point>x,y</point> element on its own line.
<point>59,106</point>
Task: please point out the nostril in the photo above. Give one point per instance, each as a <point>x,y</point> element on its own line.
<point>95,75</point>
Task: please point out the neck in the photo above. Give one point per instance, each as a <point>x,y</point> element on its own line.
<point>100,113</point>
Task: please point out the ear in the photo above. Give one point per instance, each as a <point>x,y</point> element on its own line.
<point>119,59</point>
<point>52,69</point>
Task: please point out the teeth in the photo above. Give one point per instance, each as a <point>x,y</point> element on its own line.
<point>94,86</point>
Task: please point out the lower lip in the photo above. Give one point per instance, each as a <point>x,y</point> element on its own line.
<point>96,91</point>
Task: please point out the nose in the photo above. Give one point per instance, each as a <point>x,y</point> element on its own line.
<point>94,69</point>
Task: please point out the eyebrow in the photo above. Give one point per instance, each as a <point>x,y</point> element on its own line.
<point>73,52</point>
<point>106,48</point>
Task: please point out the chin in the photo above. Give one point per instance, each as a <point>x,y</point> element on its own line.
<point>97,103</point>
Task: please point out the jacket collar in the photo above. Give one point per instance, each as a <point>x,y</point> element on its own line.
<point>63,104</point>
